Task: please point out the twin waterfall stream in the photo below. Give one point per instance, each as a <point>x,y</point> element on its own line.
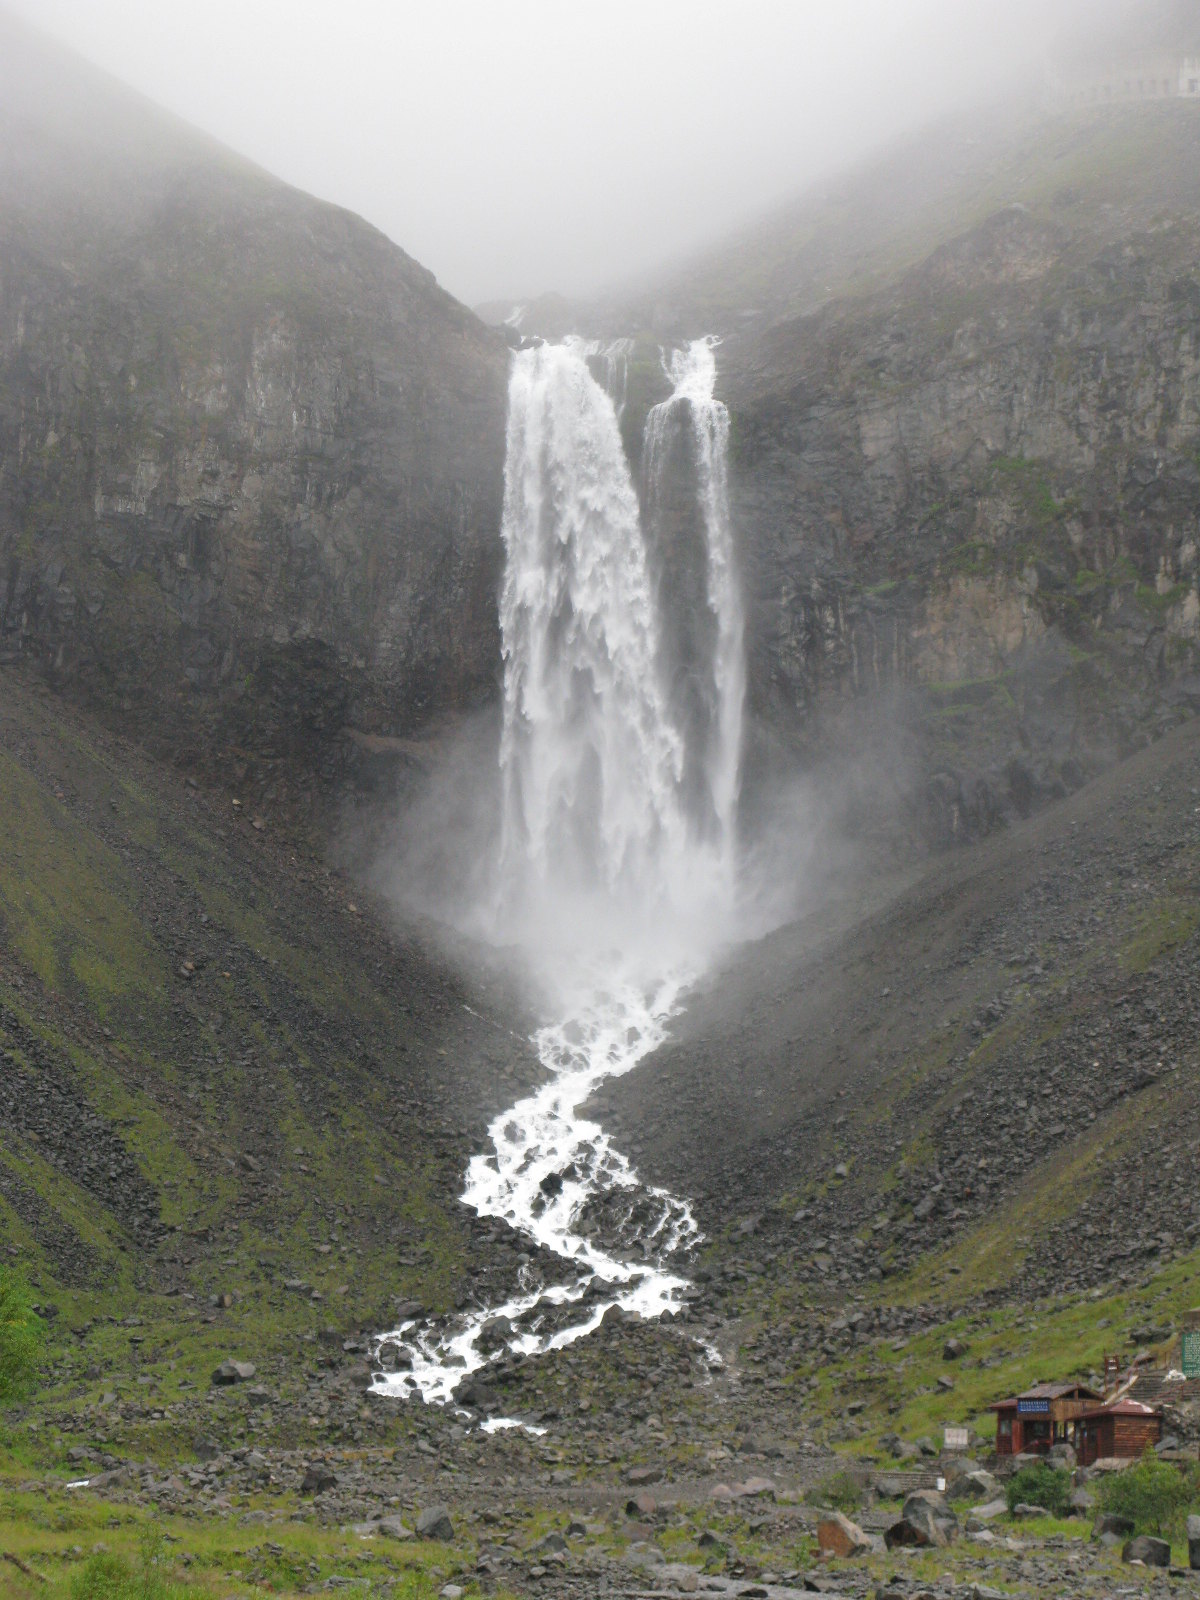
<point>623,689</point>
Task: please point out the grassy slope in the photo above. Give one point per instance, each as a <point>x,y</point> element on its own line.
<point>881,1051</point>
<point>282,1106</point>
<point>75,1547</point>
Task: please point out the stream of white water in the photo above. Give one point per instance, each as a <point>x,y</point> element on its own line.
<point>613,881</point>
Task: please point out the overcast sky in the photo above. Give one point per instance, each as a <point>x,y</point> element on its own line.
<point>520,145</point>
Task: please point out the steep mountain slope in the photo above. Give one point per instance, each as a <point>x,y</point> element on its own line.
<point>234,1113</point>
<point>250,453</point>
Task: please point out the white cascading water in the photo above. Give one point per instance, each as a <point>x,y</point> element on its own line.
<point>615,895</point>
<point>589,760</point>
<point>693,371</point>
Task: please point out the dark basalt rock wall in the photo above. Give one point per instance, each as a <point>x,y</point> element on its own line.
<point>251,455</point>
<point>977,495</point>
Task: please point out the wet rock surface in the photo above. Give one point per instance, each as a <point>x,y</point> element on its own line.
<point>943,506</point>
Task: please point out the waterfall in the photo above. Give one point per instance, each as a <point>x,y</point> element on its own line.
<point>619,777</point>
<point>615,358</point>
<point>716,675</point>
<point>590,760</point>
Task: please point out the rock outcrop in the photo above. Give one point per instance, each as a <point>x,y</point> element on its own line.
<point>974,491</point>
<point>981,490</point>
<point>250,453</point>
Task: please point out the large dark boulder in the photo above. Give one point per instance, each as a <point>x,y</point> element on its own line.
<point>1110,1528</point>
<point>1151,1552</point>
<point>926,1521</point>
<point>318,1478</point>
<point>435,1523</point>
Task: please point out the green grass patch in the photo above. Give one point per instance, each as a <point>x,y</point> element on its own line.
<point>1158,931</point>
<point>67,903</point>
<point>21,1337</point>
<point>975,558</point>
<point>1009,1348</point>
<point>79,1547</point>
<point>1026,482</point>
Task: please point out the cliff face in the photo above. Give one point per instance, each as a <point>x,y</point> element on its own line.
<point>250,454</point>
<point>975,492</point>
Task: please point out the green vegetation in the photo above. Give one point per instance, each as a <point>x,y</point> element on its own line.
<point>251,1091</point>
<point>974,559</point>
<point>842,1491</point>
<point>1122,571</point>
<point>1152,599</point>
<point>1040,1484</point>
<point>1009,1347</point>
<point>74,1546</point>
<point>1160,929</point>
<point>1154,1495</point>
<point>105,1576</point>
<point>1123,577</point>
<point>20,1338</point>
<point>1027,483</point>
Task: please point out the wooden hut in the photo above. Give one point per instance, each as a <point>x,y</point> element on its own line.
<point>1118,1431</point>
<point>1042,1416</point>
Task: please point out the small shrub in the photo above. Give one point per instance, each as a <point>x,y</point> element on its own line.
<point>102,1577</point>
<point>1154,1495</point>
<point>840,1491</point>
<point>20,1338</point>
<point>1040,1484</point>
<point>105,1576</point>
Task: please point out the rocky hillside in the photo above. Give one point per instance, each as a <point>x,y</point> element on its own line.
<point>250,453</point>
<point>220,1076</point>
<point>234,1114</point>
<point>959,1103</point>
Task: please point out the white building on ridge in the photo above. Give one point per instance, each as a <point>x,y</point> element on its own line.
<point>1130,78</point>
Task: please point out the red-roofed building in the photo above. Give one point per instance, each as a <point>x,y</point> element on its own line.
<point>1042,1416</point>
<point>1122,1429</point>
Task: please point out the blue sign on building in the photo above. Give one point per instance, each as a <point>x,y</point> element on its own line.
<point>1034,1408</point>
